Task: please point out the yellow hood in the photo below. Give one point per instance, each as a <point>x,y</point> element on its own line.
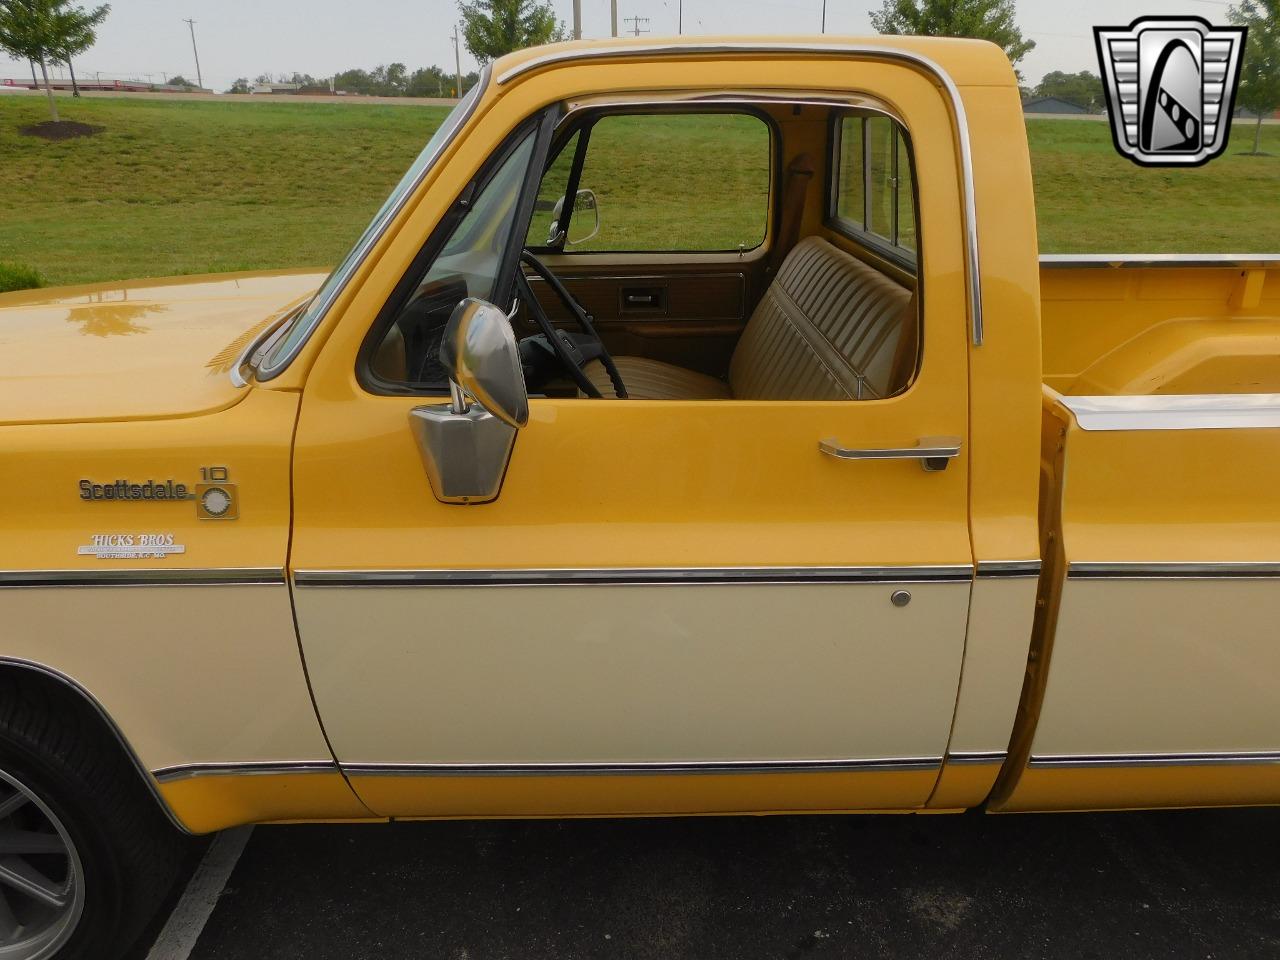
<point>135,350</point>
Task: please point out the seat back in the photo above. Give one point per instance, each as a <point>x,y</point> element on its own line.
<point>829,327</point>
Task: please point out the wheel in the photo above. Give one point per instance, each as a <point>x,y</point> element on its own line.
<point>85,855</point>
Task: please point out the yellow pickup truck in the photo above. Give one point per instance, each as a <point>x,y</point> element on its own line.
<point>694,430</point>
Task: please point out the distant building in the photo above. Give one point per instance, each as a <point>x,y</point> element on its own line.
<point>1051,105</point>
<point>92,82</point>
<point>276,88</point>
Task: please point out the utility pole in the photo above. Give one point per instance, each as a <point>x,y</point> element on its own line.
<point>824,16</point>
<point>680,17</point>
<point>613,13</point>
<point>577,19</point>
<point>199,79</point>
<point>457,59</point>
<point>639,25</point>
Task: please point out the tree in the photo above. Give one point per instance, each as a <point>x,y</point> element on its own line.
<point>494,28</point>
<point>76,31</point>
<point>1083,89</point>
<point>44,30</point>
<point>179,80</point>
<point>984,19</point>
<point>240,86</point>
<point>427,82</point>
<point>1260,73</point>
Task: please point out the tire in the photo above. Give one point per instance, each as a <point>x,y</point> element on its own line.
<point>64,779</point>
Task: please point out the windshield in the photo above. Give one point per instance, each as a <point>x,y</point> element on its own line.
<point>307,319</point>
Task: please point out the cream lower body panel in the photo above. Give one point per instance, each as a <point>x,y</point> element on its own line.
<point>995,661</point>
<point>200,674</point>
<point>1161,692</point>
<point>512,676</point>
<point>1163,667</point>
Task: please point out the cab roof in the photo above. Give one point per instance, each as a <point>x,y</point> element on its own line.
<point>968,62</point>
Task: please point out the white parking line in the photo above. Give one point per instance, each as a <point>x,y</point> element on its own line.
<point>182,929</point>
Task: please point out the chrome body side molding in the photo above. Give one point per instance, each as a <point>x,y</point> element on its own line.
<point>100,710</point>
<point>117,577</point>
<point>188,771</point>
<point>1157,760</point>
<point>1173,571</point>
<point>960,119</point>
<point>630,576</point>
<point>1008,569</point>
<point>1168,260</point>
<point>975,758</point>
<point>1206,411</point>
<point>660,768</point>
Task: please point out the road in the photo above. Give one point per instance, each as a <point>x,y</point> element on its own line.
<point>1146,885</point>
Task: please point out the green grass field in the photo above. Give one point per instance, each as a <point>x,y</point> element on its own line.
<point>206,186</point>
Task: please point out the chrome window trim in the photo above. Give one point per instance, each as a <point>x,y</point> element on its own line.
<point>1056,261</point>
<point>117,577</point>
<point>106,718</point>
<point>1246,758</point>
<point>1228,570</point>
<point>188,771</point>
<point>973,757</point>
<point>734,98</point>
<point>258,347</point>
<point>960,120</point>
<point>630,576</point>
<point>373,235</point>
<point>1203,411</point>
<point>1008,569</point>
<point>654,768</point>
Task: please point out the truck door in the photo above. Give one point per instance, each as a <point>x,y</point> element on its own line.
<point>672,605</point>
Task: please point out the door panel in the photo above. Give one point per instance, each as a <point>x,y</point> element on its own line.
<point>427,646</point>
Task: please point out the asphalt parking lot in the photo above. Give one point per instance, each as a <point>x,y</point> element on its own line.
<point>1166,885</point>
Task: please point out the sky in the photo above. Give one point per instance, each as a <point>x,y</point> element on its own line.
<point>244,38</point>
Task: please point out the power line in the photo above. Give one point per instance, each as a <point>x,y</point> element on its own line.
<point>639,25</point>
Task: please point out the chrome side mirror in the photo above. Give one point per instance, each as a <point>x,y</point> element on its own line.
<point>583,200</point>
<point>466,443</point>
<point>481,357</point>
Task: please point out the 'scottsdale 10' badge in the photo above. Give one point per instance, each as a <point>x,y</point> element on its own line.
<point>215,496</point>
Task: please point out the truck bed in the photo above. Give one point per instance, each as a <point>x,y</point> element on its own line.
<point>1154,645</point>
<point>1129,325</point>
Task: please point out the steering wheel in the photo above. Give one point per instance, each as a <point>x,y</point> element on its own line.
<point>572,353</point>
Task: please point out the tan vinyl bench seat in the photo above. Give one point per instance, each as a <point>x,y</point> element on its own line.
<point>829,327</point>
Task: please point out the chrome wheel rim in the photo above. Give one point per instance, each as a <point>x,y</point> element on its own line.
<point>41,877</point>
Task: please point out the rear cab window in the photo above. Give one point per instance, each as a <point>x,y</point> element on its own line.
<point>872,193</point>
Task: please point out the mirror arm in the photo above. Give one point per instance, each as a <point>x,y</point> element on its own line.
<point>458,402</point>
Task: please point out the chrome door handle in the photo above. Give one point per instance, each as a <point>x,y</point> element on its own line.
<point>932,452</point>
